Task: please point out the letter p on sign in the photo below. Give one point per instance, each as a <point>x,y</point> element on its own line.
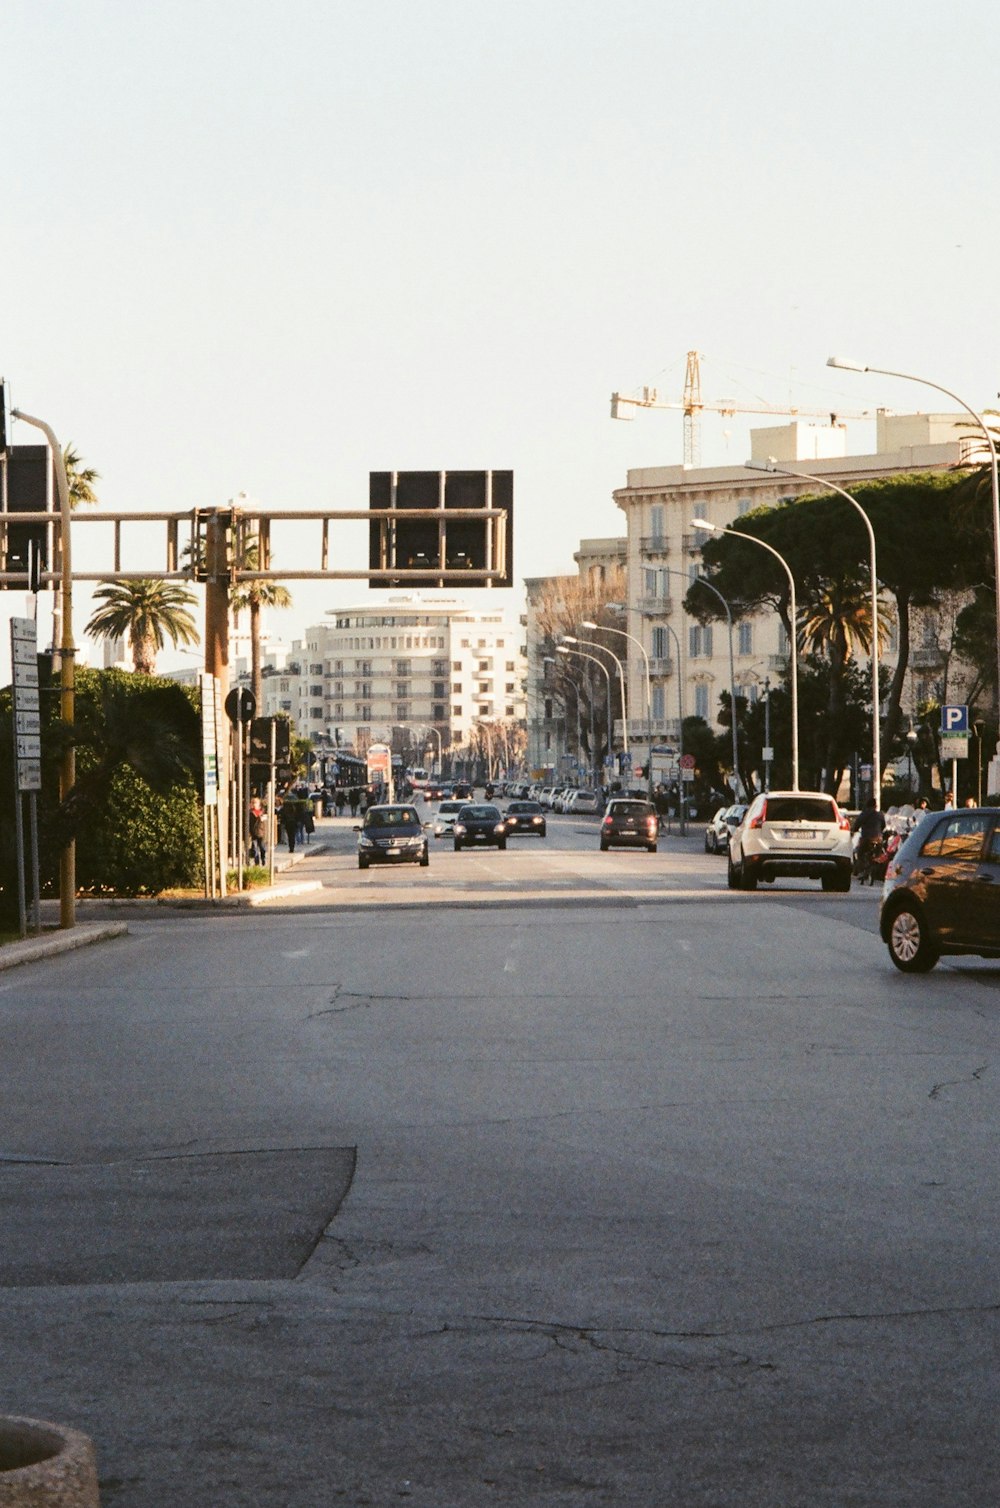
<point>954,719</point>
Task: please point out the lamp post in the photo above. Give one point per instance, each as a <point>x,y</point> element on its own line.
<point>846,365</point>
<point>67,671</point>
<point>681,799</point>
<point>557,766</point>
<point>564,649</point>
<point>649,697</point>
<point>703,523</point>
<point>569,639</point>
<point>772,466</point>
<point>977,728</point>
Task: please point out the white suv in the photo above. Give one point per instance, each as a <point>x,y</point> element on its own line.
<point>803,834</point>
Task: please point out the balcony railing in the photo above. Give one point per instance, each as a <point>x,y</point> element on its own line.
<point>927,657</point>
<point>696,539</point>
<point>654,544</point>
<point>656,607</point>
<point>776,662</point>
<point>661,666</point>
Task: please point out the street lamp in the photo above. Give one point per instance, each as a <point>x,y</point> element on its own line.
<point>846,365</point>
<point>703,523</point>
<point>563,649</point>
<point>772,466</point>
<point>587,623</point>
<point>569,639</point>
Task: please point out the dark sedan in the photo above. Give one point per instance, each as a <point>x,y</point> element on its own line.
<point>630,824</point>
<point>392,835</point>
<point>942,890</point>
<point>479,827</point>
<point>525,817</point>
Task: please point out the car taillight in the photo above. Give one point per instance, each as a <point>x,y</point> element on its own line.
<point>651,824</point>
<point>760,818</point>
<point>606,822</point>
<point>843,822</point>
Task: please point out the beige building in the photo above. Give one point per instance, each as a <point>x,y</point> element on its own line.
<point>689,664</point>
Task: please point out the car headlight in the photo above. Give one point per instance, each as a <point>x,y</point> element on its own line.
<point>536,821</point>
<point>364,842</point>
<point>500,828</point>
<point>458,828</point>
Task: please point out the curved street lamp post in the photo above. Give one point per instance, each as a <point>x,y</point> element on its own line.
<point>703,523</point>
<point>846,365</point>
<point>564,649</point>
<point>604,628</point>
<point>772,466</point>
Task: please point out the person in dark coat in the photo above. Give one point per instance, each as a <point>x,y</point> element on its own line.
<point>289,819</point>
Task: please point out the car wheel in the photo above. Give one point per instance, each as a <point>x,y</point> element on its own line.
<point>838,881</point>
<point>650,847</point>
<point>748,880</point>
<point>910,946</point>
<point>732,875</point>
<point>708,846</point>
<point>502,843</point>
<point>604,845</point>
<point>457,845</point>
<point>362,861</point>
<point>425,858</point>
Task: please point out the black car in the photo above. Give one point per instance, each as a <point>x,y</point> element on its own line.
<point>525,817</point>
<point>463,791</point>
<point>942,890</point>
<point>480,826</point>
<point>392,835</point>
<point>631,824</point>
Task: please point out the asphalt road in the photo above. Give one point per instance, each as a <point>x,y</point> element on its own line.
<point>545,1177</point>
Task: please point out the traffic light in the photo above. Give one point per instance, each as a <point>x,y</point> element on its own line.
<point>413,549</point>
<point>29,487</point>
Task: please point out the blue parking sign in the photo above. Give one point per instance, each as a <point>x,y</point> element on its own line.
<point>955,719</point>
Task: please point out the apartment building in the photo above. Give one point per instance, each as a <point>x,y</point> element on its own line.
<point>412,663</point>
<point>689,663</point>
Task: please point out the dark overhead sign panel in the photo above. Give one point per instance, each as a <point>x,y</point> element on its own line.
<point>412,551</point>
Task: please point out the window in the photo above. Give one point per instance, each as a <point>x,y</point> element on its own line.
<point>315,669</point>
<point>750,692</point>
<point>509,688</point>
<point>659,703</point>
<point>363,713</point>
<point>548,709</point>
<point>957,837</point>
<point>456,710</point>
<point>661,644</point>
<point>402,667</point>
<point>438,689</point>
<point>456,687</point>
<point>437,712</point>
<point>510,666</point>
<point>456,664</point>
<point>402,688</point>
<point>484,665</point>
<point>362,688</point>
<point>402,711</point>
<point>650,580</point>
<point>745,638</point>
<point>743,506</point>
<point>701,701</point>
<point>316,713</point>
<point>316,690</point>
<point>484,688</point>
<point>656,522</point>
<point>439,667</point>
<point>484,711</point>
<point>700,641</point>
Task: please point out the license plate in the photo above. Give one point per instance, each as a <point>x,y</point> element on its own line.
<point>798,832</point>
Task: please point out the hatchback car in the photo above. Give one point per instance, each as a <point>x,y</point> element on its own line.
<point>721,828</point>
<point>480,826</point>
<point>444,822</point>
<point>941,892</point>
<point>584,801</point>
<point>629,824</point>
<point>392,835</point>
<point>800,834</point>
<point>525,817</point>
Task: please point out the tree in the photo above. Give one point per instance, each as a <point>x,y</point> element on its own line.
<point>565,603</point>
<point>80,479</point>
<point>147,612</point>
<point>252,596</point>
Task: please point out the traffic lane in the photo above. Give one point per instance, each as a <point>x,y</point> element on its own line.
<point>613,1181</point>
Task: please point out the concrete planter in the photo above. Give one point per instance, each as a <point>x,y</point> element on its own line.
<point>45,1466</point>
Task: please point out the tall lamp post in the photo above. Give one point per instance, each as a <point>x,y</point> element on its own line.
<point>564,649</point>
<point>557,766</point>
<point>772,466</point>
<point>604,628</point>
<point>593,644</point>
<point>703,523</point>
<point>846,365</point>
<point>67,671</point>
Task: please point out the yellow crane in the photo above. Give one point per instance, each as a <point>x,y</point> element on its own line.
<point>694,406</point>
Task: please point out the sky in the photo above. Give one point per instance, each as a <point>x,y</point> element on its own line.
<point>262,249</point>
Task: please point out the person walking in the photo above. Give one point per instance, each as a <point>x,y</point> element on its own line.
<point>339,801</point>
<point>354,797</point>
<point>258,832</point>
<point>289,819</point>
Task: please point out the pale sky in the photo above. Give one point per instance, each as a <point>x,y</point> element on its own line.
<point>261,248</point>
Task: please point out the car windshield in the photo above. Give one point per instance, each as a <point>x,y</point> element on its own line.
<point>480,813</point>
<point>524,808</point>
<point>631,809</point>
<point>390,816</point>
<point>799,809</point>
<point>449,808</point>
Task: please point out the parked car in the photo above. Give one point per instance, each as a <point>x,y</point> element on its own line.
<point>802,834</point>
<point>477,826</point>
<point>525,817</point>
<point>723,824</point>
<point>392,834</point>
<point>444,822</point>
<point>941,892</point>
<point>585,801</point>
<point>629,824</point>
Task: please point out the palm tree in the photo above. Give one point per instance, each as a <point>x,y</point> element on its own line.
<point>254,595</point>
<point>79,478</point>
<point>147,612</point>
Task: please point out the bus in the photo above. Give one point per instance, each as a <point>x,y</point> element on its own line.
<point>380,768</point>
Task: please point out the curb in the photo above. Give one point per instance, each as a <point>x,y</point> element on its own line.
<point>30,949</point>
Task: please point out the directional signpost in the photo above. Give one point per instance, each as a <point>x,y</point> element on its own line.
<point>27,757</point>
<point>954,740</point>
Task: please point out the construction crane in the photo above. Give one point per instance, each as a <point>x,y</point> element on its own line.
<point>694,406</point>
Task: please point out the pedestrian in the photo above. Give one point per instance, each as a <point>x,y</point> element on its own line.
<point>949,801</point>
<point>354,796</point>
<point>289,819</point>
<point>339,801</point>
<point>308,821</point>
<point>258,832</point>
<point>970,800</point>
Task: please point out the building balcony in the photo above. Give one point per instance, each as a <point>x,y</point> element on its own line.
<point>777,663</point>
<point>694,541</point>
<point>654,544</point>
<point>661,667</point>
<point>927,657</point>
<point>655,607</point>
